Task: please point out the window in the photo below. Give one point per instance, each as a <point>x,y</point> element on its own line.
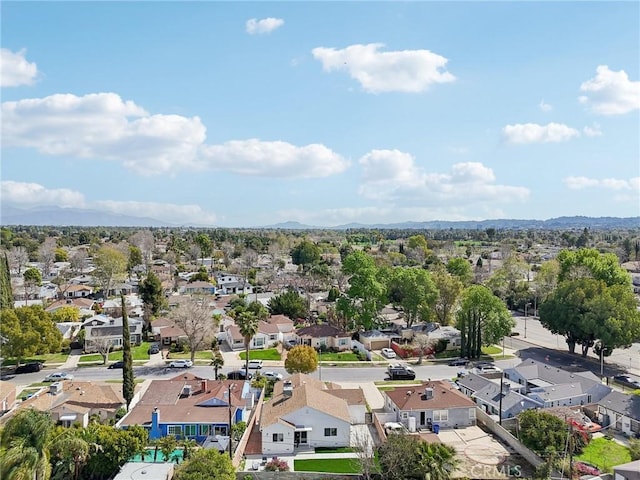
<point>404,415</point>
<point>206,429</point>
<point>174,430</point>
<point>258,342</point>
<point>330,432</point>
<point>278,437</point>
<point>190,430</point>
<point>342,341</point>
<point>440,415</point>
<point>273,337</point>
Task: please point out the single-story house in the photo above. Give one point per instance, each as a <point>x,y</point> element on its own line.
<point>324,335</point>
<point>430,404</point>
<point>486,394</point>
<point>303,414</point>
<point>77,291</point>
<point>374,339</point>
<point>198,288</point>
<point>627,471</point>
<point>621,411</point>
<point>188,406</point>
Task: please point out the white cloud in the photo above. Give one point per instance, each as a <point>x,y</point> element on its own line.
<point>592,131</point>
<point>15,68</point>
<point>265,25</point>
<point>578,183</point>
<point>273,159</point>
<point>545,107</point>
<point>522,133</point>
<point>103,126</point>
<point>610,93</point>
<point>27,195</point>
<point>393,176</point>
<point>396,71</point>
<point>33,194</point>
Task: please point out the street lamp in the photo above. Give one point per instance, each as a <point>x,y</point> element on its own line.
<point>525,319</point>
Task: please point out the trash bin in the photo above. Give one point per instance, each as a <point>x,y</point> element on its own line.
<point>436,428</point>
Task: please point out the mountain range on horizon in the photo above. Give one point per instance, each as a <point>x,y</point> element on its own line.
<point>56,216</point>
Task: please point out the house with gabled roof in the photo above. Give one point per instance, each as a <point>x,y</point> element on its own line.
<point>432,403</point>
<point>306,413</point>
<point>621,411</point>
<point>324,336</point>
<point>554,387</point>
<point>101,328</point>
<point>191,407</point>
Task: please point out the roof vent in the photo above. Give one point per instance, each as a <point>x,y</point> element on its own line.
<point>428,393</point>
<point>186,391</point>
<point>287,388</point>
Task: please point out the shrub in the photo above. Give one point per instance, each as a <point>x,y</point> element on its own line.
<point>276,465</point>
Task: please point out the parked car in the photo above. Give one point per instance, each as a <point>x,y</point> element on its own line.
<point>153,349</point>
<point>394,427</point>
<point>400,372</point>
<point>29,367</point>
<point>627,381</point>
<point>239,375</point>
<point>57,377</point>
<point>255,364</point>
<point>388,352</point>
<point>488,369</point>
<point>118,364</point>
<point>272,376</point>
<point>458,362</point>
<point>181,364</point>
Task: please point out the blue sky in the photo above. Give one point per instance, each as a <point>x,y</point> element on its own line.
<point>245,114</point>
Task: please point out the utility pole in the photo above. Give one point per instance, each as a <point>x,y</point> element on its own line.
<point>501,395</point>
<point>230,434</point>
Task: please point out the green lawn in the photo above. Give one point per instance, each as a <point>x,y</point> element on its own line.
<point>389,384</point>
<point>329,465</point>
<point>201,355</point>
<point>268,354</point>
<point>339,357</point>
<point>491,350</point>
<point>92,357</point>
<point>139,352</point>
<point>46,358</point>
<point>604,454</point>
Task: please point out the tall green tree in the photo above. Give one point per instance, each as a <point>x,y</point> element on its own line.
<point>367,293</point>
<point>448,289</point>
<point>305,254</point>
<point>28,331</point>
<point>589,262</point>
<point>289,303</point>
<point>413,290</point>
<point>111,267</point>
<point>6,293</point>
<point>482,320</point>
<point>546,434</point>
<point>152,296</point>
<point>117,446</point>
<point>135,259</point>
<point>461,268</point>
<point>204,242</point>
<point>247,323</point>
<point>217,362</point>
<point>69,452</point>
<point>586,311</point>
<point>32,280</point>
<point>25,454</point>
<point>128,382</point>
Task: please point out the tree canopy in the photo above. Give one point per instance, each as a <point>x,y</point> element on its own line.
<point>301,359</point>
<point>28,331</point>
<point>414,291</point>
<point>589,262</point>
<point>305,254</point>
<point>289,303</point>
<point>205,464</point>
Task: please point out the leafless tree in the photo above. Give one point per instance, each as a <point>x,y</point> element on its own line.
<point>194,253</point>
<point>145,242</point>
<point>18,258</point>
<point>78,261</point>
<point>103,346</point>
<point>422,343</point>
<point>363,447</point>
<point>47,255</point>
<point>196,319</point>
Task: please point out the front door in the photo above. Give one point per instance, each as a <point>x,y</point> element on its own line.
<point>423,418</point>
<point>300,438</point>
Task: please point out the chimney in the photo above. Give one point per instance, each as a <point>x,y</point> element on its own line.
<point>203,385</point>
<point>287,388</point>
<point>155,425</point>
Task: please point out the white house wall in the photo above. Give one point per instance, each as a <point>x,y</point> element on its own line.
<point>269,447</point>
<point>318,421</point>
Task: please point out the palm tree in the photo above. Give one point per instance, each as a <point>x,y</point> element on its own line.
<point>217,362</point>
<point>248,324</point>
<point>69,452</point>
<point>25,452</point>
<point>438,461</point>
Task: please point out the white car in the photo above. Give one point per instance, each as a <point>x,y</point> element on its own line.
<point>272,376</point>
<point>488,369</point>
<point>388,352</point>
<point>255,364</point>
<point>181,364</point>
<point>57,377</point>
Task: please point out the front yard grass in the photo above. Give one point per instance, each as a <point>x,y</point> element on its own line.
<point>604,454</point>
<point>491,350</point>
<point>138,352</point>
<point>329,465</point>
<point>339,357</point>
<point>268,354</point>
<point>200,355</point>
<point>46,358</point>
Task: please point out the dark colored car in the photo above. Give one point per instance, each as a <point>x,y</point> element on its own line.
<point>29,367</point>
<point>627,381</point>
<point>154,349</point>
<point>400,372</point>
<point>239,375</point>
<point>118,364</point>
<point>458,362</point>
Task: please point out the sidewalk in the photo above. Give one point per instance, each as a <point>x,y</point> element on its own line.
<point>72,360</point>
